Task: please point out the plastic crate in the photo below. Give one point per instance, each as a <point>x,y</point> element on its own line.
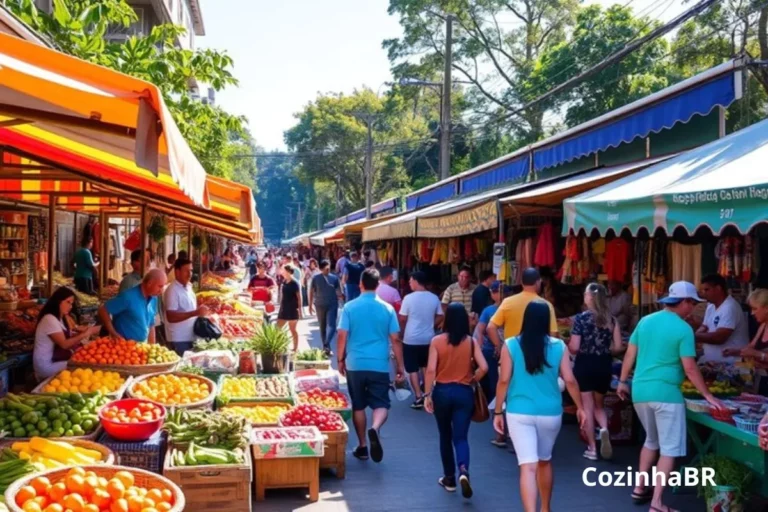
<point>148,455</point>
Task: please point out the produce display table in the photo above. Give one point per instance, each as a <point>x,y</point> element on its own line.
<point>287,473</point>
<point>725,439</point>
<point>335,456</point>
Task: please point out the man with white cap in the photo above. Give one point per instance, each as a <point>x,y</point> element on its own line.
<point>663,346</point>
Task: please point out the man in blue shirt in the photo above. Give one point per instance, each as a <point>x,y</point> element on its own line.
<point>131,314</point>
<point>352,275</point>
<point>367,328</point>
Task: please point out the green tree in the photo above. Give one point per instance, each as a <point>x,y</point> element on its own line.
<point>331,135</point>
<point>78,27</point>
<point>278,186</point>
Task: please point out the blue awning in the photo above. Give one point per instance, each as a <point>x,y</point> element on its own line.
<point>505,173</point>
<point>431,196</point>
<point>665,114</point>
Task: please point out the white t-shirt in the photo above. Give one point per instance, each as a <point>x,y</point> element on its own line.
<point>730,316</point>
<point>180,298</point>
<point>42,358</point>
<point>420,308</point>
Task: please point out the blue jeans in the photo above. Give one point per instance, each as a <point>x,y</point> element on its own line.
<point>491,379</point>
<point>454,404</point>
<point>326,317</point>
<point>352,291</point>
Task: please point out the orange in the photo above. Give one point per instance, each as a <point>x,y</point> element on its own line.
<point>57,492</point>
<point>103,482</point>
<point>91,484</point>
<point>164,507</point>
<point>120,505</point>
<point>43,501</point>
<point>90,507</point>
<point>101,498</point>
<point>74,502</point>
<point>155,495</point>
<point>41,485</point>
<point>167,495</point>
<point>135,503</point>
<point>149,509</point>
<point>54,507</point>
<point>76,471</point>
<point>89,473</point>
<point>31,506</point>
<point>149,503</point>
<point>126,477</point>
<point>116,489</point>
<point>75,483</point>
<point>25,494</point>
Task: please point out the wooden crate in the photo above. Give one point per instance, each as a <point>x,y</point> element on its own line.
<point>220,488</point>
<point>335,457</point>
<point>285,474</point>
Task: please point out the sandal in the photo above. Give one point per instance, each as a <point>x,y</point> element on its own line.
<point>654,509</point>
<point>641,498</point>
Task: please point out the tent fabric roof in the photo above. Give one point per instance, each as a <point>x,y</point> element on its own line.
<point>94,120</point>
<point>723,183</point>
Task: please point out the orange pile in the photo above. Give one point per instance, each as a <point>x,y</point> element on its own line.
<point>170,389</point>
<point>82,491</point>
<point>107,351</point>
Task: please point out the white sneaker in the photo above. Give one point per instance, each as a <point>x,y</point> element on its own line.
<point>589,455</point>
<point>606,450</point>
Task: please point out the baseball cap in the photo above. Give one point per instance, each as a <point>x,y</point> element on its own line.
<point>680,291</point>
<point>498,285</point>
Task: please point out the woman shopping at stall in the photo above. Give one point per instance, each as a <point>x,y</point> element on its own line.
<point>595,337</point>
<point>54,340</point>
<point>757,350</point>
<point>449,395</point>
<point>530,366</point>
<point>85,267</point>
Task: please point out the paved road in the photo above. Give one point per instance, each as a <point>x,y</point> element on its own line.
<point>407,477</point>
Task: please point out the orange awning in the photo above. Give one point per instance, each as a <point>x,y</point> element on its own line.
<point>104,125</point>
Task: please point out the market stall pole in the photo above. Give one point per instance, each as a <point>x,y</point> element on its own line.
<point>143,233</point>
<point>51,243</point>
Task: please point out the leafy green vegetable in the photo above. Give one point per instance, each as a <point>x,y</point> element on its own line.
<point>727,472</point>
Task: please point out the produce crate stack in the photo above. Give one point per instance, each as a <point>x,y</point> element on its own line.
<point>147,455</point>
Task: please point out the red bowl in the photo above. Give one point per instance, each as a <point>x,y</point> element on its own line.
<point>131,431</point>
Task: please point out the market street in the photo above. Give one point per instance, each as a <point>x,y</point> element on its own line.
<point>407,477</point>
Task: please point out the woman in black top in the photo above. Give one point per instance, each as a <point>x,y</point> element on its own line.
<point>290,304</point>
<point>594,337</point>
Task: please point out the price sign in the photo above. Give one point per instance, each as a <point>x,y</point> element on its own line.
<point>498,257</point>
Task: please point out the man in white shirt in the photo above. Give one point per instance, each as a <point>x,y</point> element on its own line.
<point>724,326</point>
<point>181,309</point>
<point>420,313</point>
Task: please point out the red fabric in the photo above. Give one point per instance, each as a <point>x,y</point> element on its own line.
<point>261,295</point>
<point>545,247</point>
<point>96,233</point>
<point>133,241</point>
<point>617,259</point>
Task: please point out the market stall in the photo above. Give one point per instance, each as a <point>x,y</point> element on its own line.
<point>700,212</point>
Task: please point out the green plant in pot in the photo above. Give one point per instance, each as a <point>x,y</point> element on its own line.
<point>157,229</point>
<point>313,358</point>
<point>272,343</point>
<point>732,483</point>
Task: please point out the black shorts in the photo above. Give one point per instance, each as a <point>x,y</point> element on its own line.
<point>415,357</point>
<point>368,389</point>
<point>593,373</point>
<point>288,314</point>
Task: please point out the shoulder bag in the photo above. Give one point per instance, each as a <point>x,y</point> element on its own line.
<point>480,412</point>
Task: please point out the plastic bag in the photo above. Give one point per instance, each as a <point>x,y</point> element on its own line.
<point>212,360</point>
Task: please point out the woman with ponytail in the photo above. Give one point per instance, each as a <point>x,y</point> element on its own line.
<point>595,337</point>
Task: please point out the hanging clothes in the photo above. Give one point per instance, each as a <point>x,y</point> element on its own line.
<point>685,262</point>
<point>617,253</point>
<point>545,246</point>
<point>454,254</point>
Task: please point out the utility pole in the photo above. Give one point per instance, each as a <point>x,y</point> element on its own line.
<point>445,110</point>
<point>299,219</point>
<point>369,167</point>
<point>319,222</point>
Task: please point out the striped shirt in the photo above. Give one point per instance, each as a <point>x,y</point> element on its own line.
<point>455,293</point>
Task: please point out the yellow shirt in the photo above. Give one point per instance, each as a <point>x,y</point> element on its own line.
<point>510,314</point>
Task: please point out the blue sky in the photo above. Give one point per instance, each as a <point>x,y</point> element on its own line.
<point>287,51</point>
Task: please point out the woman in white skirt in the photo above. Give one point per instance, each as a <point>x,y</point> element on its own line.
<point>528,379</point>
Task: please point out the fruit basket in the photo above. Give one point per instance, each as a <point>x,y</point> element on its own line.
<point>127,357</point>
<point>260,414</point>
<point>117,419</point>
<point>175,389</point>
<point>106,455</point>
<point>287,442</point>
<point>68,416</point>
<point>255,388</point>
<point>335,401</point>
<point>157,489</point>
<point>65,379</point>
<point>725,414</point>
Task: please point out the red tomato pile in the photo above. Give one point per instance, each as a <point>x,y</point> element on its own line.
<point>285,434</point>
<point>312,415</point>
<point>141,413</point>
<point>327,399</point>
